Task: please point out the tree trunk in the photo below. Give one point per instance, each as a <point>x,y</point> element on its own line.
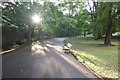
<point>109,28</point>
<point>98,36</point>
<point>84,33</point>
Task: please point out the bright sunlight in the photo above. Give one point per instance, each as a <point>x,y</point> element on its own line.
<point>36,18</point>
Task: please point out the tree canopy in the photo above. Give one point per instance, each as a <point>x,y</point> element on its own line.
<point>65,19</point>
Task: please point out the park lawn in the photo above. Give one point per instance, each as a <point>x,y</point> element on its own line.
<point>100,58</point>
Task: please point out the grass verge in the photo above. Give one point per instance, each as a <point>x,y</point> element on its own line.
<point>100,58</point>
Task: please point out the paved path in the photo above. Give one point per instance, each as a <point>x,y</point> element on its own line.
<point>51,63</point>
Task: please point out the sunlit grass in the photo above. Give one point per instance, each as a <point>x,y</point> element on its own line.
<point>101,58</point>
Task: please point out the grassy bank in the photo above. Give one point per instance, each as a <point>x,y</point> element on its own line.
<point>100,58</point>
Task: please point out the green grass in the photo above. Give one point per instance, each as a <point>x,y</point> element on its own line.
<point>99,57</point>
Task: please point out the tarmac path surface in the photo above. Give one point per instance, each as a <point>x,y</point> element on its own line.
<point>49,62</point>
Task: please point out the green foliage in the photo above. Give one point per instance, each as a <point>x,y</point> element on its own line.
<point>62,20</point>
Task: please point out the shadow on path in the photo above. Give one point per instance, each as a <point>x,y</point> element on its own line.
<point>25,63</point>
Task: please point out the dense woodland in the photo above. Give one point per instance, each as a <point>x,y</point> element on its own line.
<point>67,19</point>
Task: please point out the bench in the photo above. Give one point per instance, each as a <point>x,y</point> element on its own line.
<point>67,47</point>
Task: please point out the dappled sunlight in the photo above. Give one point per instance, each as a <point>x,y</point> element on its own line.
<point>49,42</point>
<point>46,49</point>
<point>49,45</point>
<point>38,48</point>
<point>70,60</point>
<point>56,47</point>
<point>55,27</point>
<point>99,66</point>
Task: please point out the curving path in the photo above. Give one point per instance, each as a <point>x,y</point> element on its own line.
<point>52,62</point>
